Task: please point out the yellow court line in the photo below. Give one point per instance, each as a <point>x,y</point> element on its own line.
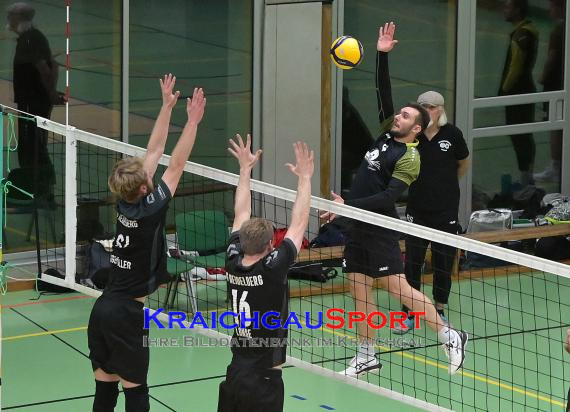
<point>49,332</point>
<point>54,332</point>
<point>421,359</point>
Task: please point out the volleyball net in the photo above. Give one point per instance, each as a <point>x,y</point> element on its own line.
<point>513,305</point>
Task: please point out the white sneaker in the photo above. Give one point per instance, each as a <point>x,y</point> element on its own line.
<point>359,365</point>
<point>455,350</point>
<point>548,175</point>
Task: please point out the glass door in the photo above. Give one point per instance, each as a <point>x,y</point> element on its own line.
<point>511,100</point>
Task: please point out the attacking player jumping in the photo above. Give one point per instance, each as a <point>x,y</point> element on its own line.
<point>371,252</point>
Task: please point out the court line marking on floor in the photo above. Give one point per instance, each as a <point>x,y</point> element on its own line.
<point>55,336</point>
<point>57,331</point>
<point>160,402</point>
<point>421,359</point>
<point>49,332</point>
<point>415,358</point>
<point>160,385</point>
<point>37,302</point>
<point>74,398</point>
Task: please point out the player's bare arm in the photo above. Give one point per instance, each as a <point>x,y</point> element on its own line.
<point>247,160</point>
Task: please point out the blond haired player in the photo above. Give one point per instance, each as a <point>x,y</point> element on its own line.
<point>115,332</point>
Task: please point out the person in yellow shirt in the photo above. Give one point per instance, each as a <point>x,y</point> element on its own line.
<point>517,79</point>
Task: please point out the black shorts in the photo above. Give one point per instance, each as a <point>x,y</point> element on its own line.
<point>115,337</point>
<point>373,252</point>
<point>251,390</point>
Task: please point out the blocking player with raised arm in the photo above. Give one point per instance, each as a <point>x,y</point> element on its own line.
<point>116,325</point>
<point>388,168</point>
<point>257,277</point>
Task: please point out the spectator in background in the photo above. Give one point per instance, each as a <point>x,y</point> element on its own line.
<point>517,79</point>
<point>34,81</point>
<point>434,201</point>
<point>553,79</point>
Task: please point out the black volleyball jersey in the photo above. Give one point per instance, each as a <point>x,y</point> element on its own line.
<point>389,166</point>
<point>387,159</point>
<point>139,250</point>
<point>261,287</point>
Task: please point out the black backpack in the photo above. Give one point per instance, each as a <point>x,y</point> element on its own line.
<point>97,265</point>
<point>333,233</point>
<point>312,271</point>
<point>51,288</point>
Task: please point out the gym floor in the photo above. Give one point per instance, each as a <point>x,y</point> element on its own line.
<point>44,344</point>
<point>46,367</point>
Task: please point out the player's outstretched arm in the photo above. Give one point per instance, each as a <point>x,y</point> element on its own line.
<point>303,168</point>
<point>384,45</point>
<point>247,160</point>
<point>157,140</point>
<point>195,110</point>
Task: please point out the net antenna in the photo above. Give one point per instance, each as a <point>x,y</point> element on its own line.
<point>67,58</point>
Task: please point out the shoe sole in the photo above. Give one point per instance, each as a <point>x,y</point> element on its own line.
<point>363,371</point>
<point>464,339</point>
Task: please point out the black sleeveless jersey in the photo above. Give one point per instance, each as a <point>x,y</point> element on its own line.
<point>261,287</point>
<point>139,250</point>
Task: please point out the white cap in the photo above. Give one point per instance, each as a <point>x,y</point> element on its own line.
<point>431,98</point>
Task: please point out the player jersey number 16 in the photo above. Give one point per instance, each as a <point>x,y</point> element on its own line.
<point>242,309</point>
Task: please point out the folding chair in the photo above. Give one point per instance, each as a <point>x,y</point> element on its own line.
<point>204,232</point>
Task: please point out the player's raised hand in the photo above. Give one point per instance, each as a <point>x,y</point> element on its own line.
<point>304,160</point>
<point>167,83</point>
<point>330,215</point>
<point>195,106</point>
<point>242,152</point>
<point>386,40</point>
